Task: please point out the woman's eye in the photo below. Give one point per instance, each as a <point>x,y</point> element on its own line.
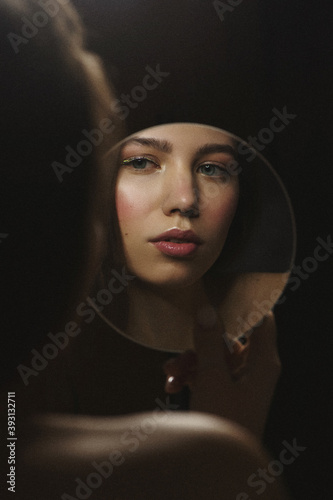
<point>212,170</point>
<point>139,163</point>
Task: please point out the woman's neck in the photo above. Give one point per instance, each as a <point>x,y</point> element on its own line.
<point>164,319</point>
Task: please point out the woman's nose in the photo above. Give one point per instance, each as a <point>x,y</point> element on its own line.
<point>181,195</point>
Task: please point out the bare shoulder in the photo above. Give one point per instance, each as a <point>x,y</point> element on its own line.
<point>145,456</point>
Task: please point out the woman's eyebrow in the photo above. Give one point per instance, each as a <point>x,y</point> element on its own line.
<point>161,145</point>
<point>215,148</point>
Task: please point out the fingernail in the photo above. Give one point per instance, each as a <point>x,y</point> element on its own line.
<point>173,385</point>
<point>242,340</point>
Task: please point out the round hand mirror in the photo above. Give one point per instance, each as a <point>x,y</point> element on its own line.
<point>197,218</point>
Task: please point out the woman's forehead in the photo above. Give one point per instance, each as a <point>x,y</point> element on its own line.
<point>181,131</point>
<point>182,136</point>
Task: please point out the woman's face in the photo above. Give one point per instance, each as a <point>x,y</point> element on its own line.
<point>176,197</point>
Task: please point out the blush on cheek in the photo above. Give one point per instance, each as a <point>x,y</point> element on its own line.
<point>224,214</point>
<point>123,207</point>
<point>130,205</point>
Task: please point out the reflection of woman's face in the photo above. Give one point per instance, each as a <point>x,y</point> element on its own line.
<point>176,197</point>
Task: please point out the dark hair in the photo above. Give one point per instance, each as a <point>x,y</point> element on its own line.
<point>49,96</point>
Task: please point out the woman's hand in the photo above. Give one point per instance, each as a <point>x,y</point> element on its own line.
<point>234,381</point>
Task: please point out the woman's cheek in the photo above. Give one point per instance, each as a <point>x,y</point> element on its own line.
<point>130,204</point>
<point>221,214</point>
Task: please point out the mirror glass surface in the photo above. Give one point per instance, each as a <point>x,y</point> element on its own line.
<point>198,218</point>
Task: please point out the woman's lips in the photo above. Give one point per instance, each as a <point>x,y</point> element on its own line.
<point>175,249</point>
<point>177,243</point>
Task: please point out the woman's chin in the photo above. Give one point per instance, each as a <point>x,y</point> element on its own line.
<point>175,281</point>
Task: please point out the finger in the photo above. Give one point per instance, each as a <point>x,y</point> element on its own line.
<point>237,358</point>
<point>173,385</point>
<point>174,376</point>
<point>263,339</point>
<point>180,365</point>
<point>172,367</point>
<point>263,353</point>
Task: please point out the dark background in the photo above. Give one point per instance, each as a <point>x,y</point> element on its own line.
<point>231,73</point>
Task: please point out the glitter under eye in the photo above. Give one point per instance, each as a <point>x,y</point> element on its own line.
<point>139,163</point>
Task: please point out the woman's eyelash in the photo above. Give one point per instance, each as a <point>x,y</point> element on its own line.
<point>134,158</point>
<point>139,159</point>
<point>146,164</point>
<point>221,169</point>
